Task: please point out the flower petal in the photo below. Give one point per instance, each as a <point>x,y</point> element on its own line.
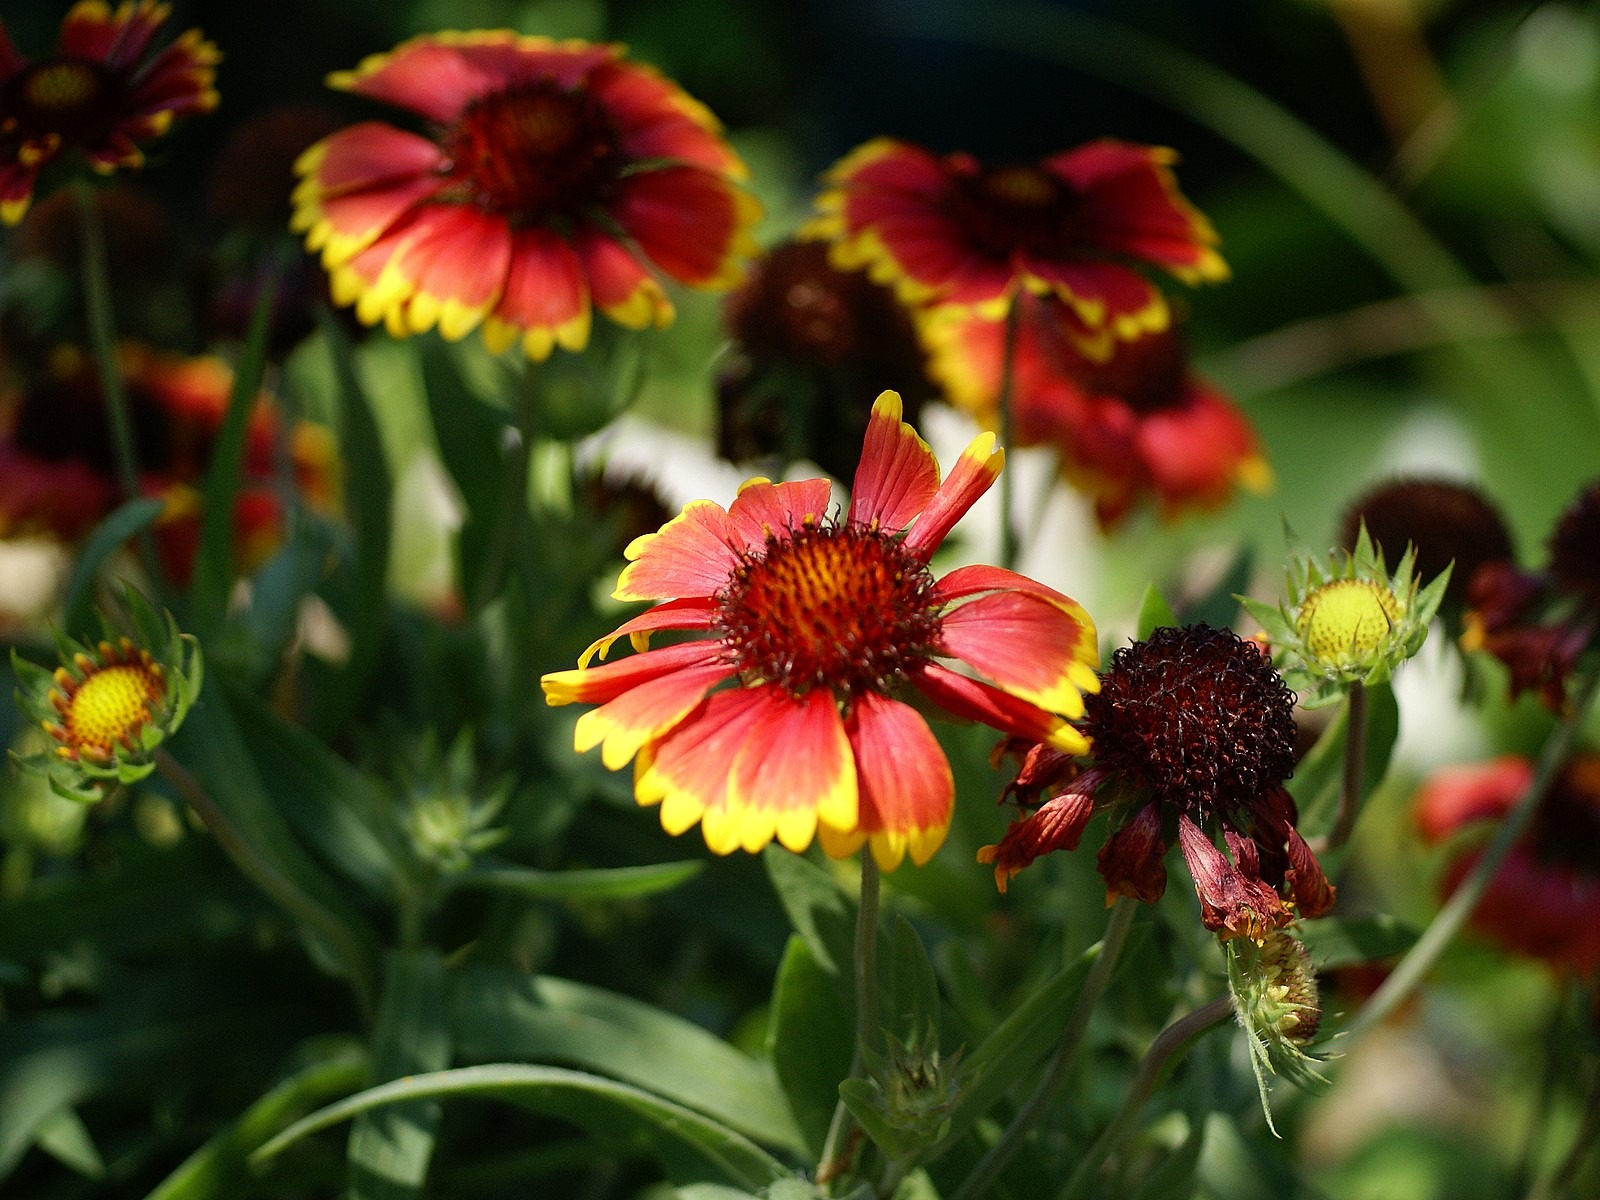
<point>457,262</point>
<point>689,222</point>
<point>975,471</point>
<point>898,474</point>
<point>599,685</point>
<point>697,612</point>
<point>794,771</point>
<point>1457,796</point>
<point>622,726</point>
<point>1057,825</point>
<point>765,509</point>
<point>686,771</point>
<point>656,119</point>
<point>1026,644</point>
<point>545,300</point>
<point>978,701</point>
<point>691,555</point>
<point>906,789</point>
<point>1231,903</point>
<point>1131,860</point>
<point>619,284</point>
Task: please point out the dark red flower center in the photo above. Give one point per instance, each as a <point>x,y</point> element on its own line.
<point>1148,375</point>
<point>533,152</point>
<point>1566,826</point>
<point>834,606</point>
<point>1197,717</point>
<point>70,97</point>
<point>1575,547</point>
<point>1018,208</point>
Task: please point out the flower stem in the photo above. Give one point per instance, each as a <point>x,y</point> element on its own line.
<point>1419,960</point>
<point>1061,1063</point>
<point>103,339</point>
<point>268,878</point>
<point>836,1151</point>
<point>511,521</point>
<point>1008,359</point>
<point>1560,1185</point>
<point>1168,1049</point>
<point>1555,1052</point>
<point>1355,764</point>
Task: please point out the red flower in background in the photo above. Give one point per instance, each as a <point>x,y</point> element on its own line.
<point>1544,900</point>
<point>102,93</point>
<point>952,231</point>
<point>56,468</point>
<point>1128,419</point>
<point>786,720</point>
<point>558,176</point>
<point>1192,736</point>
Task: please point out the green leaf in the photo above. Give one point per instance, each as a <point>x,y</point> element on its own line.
<point>1154,612</point>
<point>212,580</point>
<point>1174,1179</point>
<point>217,1170</point>
<point>500,1014</point>
<point>863,1099</point>
<point>390,1147</point>
<point>1344,941</point>
<point>811,1040</point>
<point>356,594</point>
<point>598,883</point>
<point>817,908</point>
<point>122,524</point>
<point>911,998</point>
<point>689,1146</point>
<point>64,1137</point>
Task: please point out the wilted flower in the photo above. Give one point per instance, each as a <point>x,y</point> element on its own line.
<point>1539,623</point>
<point>1348,621</point>
<point>1276,998</point>
<point>559,175</point>
<point>951,230</point>
<point>810,345</point>
<point>107,708</point>
<point>1544,898</point>
<point>102,93</point>
<point>1192,735</point>
<point>1128,419</point>
<point>786,720</point>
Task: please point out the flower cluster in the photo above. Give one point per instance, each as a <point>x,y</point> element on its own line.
<point>1193,735</point>
<point>108,707</point>
<point>1540,623</point>
<point>787,719</point>
<point>102,93</point>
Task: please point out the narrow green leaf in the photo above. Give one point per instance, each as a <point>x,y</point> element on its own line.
<point>689,1146</point>
<point>819,911</point>
<point>500,1014</point>
<point>811,1040</point>
<point>123,523</point>
<point>390,1147</point>
<point>1174,1179</point>
<point>598,883</point>
<point>911,998</point>
<point>1154,612</point>
<point>1345,941</point>
<point>213,564</point>
<point>64,1137</point>
<point>217,1170</point>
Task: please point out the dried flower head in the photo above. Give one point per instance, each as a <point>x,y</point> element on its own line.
<point>1275,997</point>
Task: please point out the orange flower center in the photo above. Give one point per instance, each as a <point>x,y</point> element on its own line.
<point>67,97</point>
<point>1008,210</point>
<point>831,606</point>
<point>111,707</point>
<point>532,152</point>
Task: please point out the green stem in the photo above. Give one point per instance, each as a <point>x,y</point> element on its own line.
<point>1171,1044</point>
<point>103,339</point>
<point>837,1150</point>
<point>511,521</point>
<point>303,908</point>
<point>1420,959</point>
<point>1008,362</point>
<point>1560,1185</point>
<point>1555,1052</point>
<point>1061,1063</point>
<point>1355,764</point>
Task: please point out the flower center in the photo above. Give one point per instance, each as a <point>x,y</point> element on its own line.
<point>831,606</point>
<point>1345,622</point>
<point>65,97</point>
<point>1010,209</point>
<point>533,152</point>
<point>112,706</point>
<point>1197,716</point>
<point>61,86</point>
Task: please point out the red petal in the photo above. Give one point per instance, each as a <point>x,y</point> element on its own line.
<point>655,118</point>
<point>975,471</point>
<point>1457,796</point>
<point>978,701</point>
<point>794,772</point>
<point>546,296</point>
<point>622,726</point>
<point>1027,645</point>
<point>687,221</point>
<point>1130,861</point>
<point>365,156</point>
<point>906,789</point>
<point>600,685</point>
<point>457,262</point>
<point>1231,904</point>
<point>898,474</point>
<point>694,613</point>
<point>691,555</point>
<point>619,283</point>
<point>1057,825</point>
<point>764,509</point>
<point>686,772</point>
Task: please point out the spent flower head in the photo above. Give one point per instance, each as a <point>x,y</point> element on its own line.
<point>108,707</point>
<point>1346,620</point>
<point>1275,997</point>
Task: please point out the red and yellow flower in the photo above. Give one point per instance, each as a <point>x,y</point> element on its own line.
<point>786,719</point>
<point>1193,735</point>
<point>953,231</point>
<point>56,468</point>
<point>1128,419</point>
<point>559,177</point>
<point>102,93</point>
<point>1544,899</point>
